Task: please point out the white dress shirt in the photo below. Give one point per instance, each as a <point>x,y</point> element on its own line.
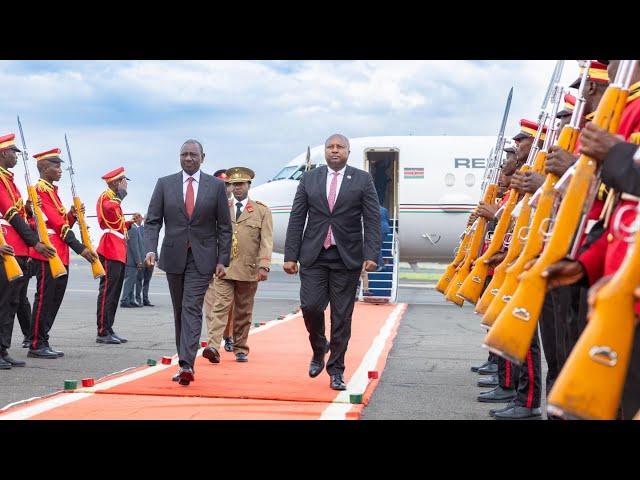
<point>195,183</point>
<point>330,173</point>
<point>235,207</point>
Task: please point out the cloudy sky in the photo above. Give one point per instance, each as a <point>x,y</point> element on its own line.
<point>259,114</point>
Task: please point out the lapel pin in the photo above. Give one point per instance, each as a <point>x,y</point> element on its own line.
<point>349,177</point>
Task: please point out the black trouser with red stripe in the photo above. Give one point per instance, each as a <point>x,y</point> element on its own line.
<point>9,300</point>
<point>553,328</point>
<point>528,391</point>
<point>507,373</point>
<point>24,306</point>
<point>109,294</point>
<point>46,303</point>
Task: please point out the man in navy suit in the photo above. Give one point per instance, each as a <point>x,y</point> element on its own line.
<point>336,202</point>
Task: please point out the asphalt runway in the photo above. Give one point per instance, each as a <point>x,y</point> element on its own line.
<point>427,374</point>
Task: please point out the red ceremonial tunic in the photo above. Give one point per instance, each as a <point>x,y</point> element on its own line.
<point>605,255</point>
<point>11,204</point>
<point>113,244</point>
<point>57,219</point>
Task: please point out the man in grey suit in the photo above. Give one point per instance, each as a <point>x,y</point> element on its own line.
<point>197,243</point>
<point>335,202</point>
<point>135,258</point>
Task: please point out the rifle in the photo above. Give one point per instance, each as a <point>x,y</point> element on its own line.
<point>11,267</point>
<point>477,238</point>
<point>307,165</point>
<point>473,284</point>
<point>57,267</point>
<point>591,383</point>
<point>490,189</point>
<point>504,284</point>
<point>445,279</point>
<point>96,267</point>
<point>514,328</point>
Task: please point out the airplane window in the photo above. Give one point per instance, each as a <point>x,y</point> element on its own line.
<point>285,173</point>
<point>470,179</point>
<point>449,179</point>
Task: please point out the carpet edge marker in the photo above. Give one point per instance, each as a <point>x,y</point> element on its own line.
<point>338,409</point>
<point>143,372</point>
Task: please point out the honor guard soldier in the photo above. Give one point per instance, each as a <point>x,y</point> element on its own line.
<point>49,290</point>
<point>112,252</point>
<point>251,248</point>
<point>227,336</point>
<point>19,237</point>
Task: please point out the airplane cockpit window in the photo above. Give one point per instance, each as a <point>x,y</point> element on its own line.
<point>298,173</point>
<point>285,173</point>
<point>292,172</point>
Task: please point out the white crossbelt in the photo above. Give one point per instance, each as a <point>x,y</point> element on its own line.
<point>4,222</point>
<point>115,232</point>
<point>628,196</point>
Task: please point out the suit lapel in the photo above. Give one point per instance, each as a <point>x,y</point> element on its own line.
<point>323,188</point>
<point>203,188</point>
<point>245,213</point>
<point>179,195</point>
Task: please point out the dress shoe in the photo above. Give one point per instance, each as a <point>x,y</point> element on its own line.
<point>475,368</point>
<point>25,343</point>
<point>127,305</point>
<point>57,352</point>
<point>137,304</point>
<point>228,344</point>
<point>118,337</point>
<point>497,395</point>
<point>517,412</point>
<point>315,367</point>
<point>147,303</point>
<point>491,381</point>
<point>42,352</point>
<point>337,383</point>
<point>185,376</point>
<point>493,411</point>
<point>108,339</point>
<point>490,369</point>
<point>4,365</point>
<point>211,354</point>
<point>241,357</point>
<point>14,363</point>
<point>176,377</point>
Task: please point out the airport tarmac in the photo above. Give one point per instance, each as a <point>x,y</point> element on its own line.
<point>427,373</point>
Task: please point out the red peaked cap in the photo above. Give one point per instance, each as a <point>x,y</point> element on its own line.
<point>114,175</point>
<point>8,141</point>
<point>597,73</point>
<point>52,155</point>
<point>529,129</point>
<point>569,105</point>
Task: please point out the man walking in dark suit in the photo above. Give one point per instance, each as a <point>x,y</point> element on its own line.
<point>144,278</point>
<point>336,201</point>
<point>134,265</point>
<point>197,243</point>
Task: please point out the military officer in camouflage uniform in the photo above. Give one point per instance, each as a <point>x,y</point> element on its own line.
<point>251,247</point>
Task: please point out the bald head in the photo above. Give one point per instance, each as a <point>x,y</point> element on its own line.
<point>338,136</point>
<point>336,151</point>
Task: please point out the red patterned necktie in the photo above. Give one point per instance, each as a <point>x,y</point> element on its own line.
<point>332,201</point>
<point>189,198</point>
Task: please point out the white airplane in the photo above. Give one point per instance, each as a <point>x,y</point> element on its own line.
<point>429,184</point>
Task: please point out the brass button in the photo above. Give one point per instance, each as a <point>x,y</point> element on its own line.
<point>610,238</point>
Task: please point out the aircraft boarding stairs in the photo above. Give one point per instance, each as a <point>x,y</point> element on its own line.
<point>383,285</point>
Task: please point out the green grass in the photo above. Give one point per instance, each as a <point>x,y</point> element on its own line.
<point>426,277</point>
